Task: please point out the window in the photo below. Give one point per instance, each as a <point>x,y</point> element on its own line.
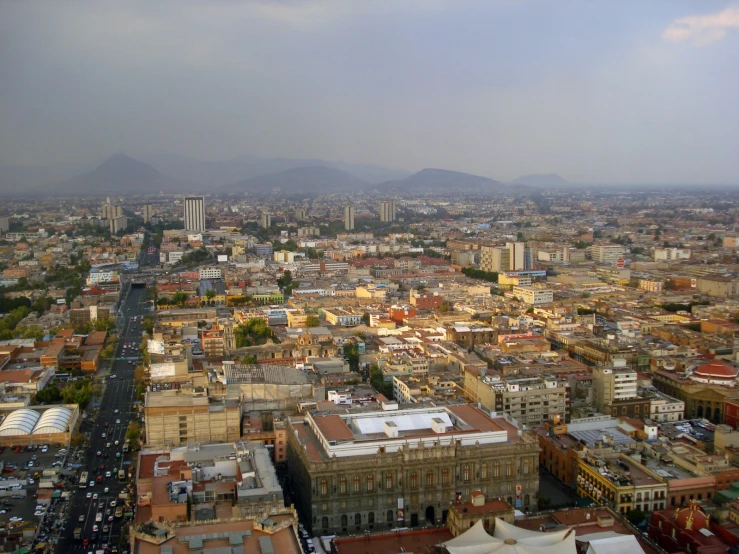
<point>509,468</point>
<point>389,481</point>
<point>357,519</point>
<point>526,467</point>
<point>389,516</point>
<point>484,471</point>
<point>430,478</point>
<point>371,518</point>
<point>444,476</point>
<point>342,485</point>
<point>466,473</point>
<point>357,484</point>
<point>496,470</point>
<point>414,480</point>
<point>324,487</point>
<point>324,523</point>
<point>370,483</point>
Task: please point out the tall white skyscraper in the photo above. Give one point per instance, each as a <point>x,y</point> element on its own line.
<point>195,213</point>
<point>518,258</point>
<point>387,210</point>
<point>348,217</point>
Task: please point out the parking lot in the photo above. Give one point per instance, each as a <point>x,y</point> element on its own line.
<point>22,473</point>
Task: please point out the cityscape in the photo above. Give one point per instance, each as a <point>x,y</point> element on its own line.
<point>251,347</point>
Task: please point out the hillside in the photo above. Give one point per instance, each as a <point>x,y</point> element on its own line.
<point>441,181</point>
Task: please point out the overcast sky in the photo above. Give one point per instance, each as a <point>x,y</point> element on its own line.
<point>605,91</point>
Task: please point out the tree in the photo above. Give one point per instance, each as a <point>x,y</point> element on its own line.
<point>179,299</point>
<point>133,432</point>
<point>351,353</point>
<point>49,395</point>
<point>249,360</point>
<point>285,283</point>
<point>254,332</point>
<point>312,321</point>
<point>635,516</point>
<point>366,319</point>
<point>378,382</point>
<point>189,507</point>
<point>210,294</point>
<point>148,324</point>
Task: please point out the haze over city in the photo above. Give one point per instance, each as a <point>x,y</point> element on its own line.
<point>600,92</point>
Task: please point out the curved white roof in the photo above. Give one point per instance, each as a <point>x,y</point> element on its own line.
<point>19,422</point>
<point>53,420</point>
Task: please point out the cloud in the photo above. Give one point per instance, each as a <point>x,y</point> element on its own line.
<point>702,29</point>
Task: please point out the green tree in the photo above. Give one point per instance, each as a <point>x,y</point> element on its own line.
<point>210,294</point>
<point>378,382</point>
<point>49,395</point>
<point>285,283</point>
<point>312,321</point>
<point>133,432</point>
<point>366,319</point>
<point>148,324</point>
<point>249,360</point>
<point>179,299</point>
<point>635,516</point>
<point>254,332</point>
<point>351,353</point>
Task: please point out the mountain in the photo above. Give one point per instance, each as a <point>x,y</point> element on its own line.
<point>224,172</point>
<point>542,180</point>
<point>441,181</point>
<point>300,180</point>
<point>119,174</point>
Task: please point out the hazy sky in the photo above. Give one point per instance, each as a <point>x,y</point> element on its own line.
<point>604,91</point>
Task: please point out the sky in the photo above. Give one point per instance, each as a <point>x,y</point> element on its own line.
<point>613,91</point>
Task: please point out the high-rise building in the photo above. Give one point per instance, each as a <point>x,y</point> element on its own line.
<point>265,221</point>
<point>495,258</point>
<point>4,223</point>
<point>607,253</point>
<point>517,255</point>
<point>118,224</point>
<point>387,210</point>
<point>195,213</point>
<point>348,217</point>
<point>300,213</point>
<point>147,211</point>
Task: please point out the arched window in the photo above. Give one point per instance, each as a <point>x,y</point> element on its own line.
<point>357,519</point>
<point>484,471</point>
<point>445,477</point>
<point>371,518</point>
<point>414,480</point>
<point>344,520</point>
<point>526,466</point>
<point>370,483</point>
<point>389,480</point>
<point>466,473</point>
<point>496,470</point>
<point>389,516</point>
<point>430,478</point>
<point>526,500</point>
<point>357,484</point>
<point>509,468</point>
<point>342,485</point>
<point>324,487</point>
<point>324,523</point>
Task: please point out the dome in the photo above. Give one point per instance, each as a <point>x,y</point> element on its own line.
<point>716,369</point>
<point>19,422</point>
<point>691,518</point>
<point>53,420</point>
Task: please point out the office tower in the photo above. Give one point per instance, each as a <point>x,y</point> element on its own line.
<point>4,223</point>
<point>348,217</point>
<point>265,221</point>
<point>517,255</point>
<point>147,211</point>
<point>300,213</point>
<point>495,259</point>
<point>387,210</point>
<point>117,211</point>
<point>195,213</point>
<point>117,224</point>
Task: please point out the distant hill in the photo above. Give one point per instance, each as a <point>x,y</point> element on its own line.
<point>439,181</point>
<point>119,174</point>
<point>542,180</point>
<point>225,172</point>
<point>300,180</point>
<point>16,179</point>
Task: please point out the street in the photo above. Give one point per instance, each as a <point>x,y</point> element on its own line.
<point>105,446</point>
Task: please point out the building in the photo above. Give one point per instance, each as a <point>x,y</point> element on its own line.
<point>175,417</point>
<point>4,224</point>
<point>195,213</point>
<point>517,252</point>
<point>118,224</point>
<point>337,316</point>
<point>651,285</point>
<point>464,515</point>
<point>209,273</point>
<point>265,220</point>
<point>40,425</point>
<point>612,385</point>
<point>147,212</point>
<point>668,254</point>
<point>349,217</point>
<point>607,253</point>
<point>394,468</point>
<point>533,296</point>
<point>687,529</point>
<point>387,211</point>
<point>495,259</point>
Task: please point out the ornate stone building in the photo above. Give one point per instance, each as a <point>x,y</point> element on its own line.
<point>383,469</point>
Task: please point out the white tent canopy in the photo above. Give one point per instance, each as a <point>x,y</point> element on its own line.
<point>509,539</point>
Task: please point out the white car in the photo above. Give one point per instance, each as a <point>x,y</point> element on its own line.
<point>92,484</point>
<point>88,495</point>
<point>107,473</point>
<point>14,519</point>
<point>111,377</point>
<point>117,420</point>
<point>94,528</point>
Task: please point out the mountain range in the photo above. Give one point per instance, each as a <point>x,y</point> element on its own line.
<point>171,174</point>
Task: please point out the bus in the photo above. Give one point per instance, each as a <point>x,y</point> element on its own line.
<point>121,475</point>
<point>83,480</point>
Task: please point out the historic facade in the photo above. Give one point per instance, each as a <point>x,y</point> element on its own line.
<point>380,470</point>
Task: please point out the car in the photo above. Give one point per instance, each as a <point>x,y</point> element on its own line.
<point>31,481</point>
<point>107,473</point>
<point>105,424</point>
<point>117,454</point>
<point>107,445</point>
<point>95,528</point>
<point>102,467</point>
<point>88,495</point>
<point>3,511</point>
<point>85,542</point>
<point>104,435</point>
<point>117,443</point>
<point>110,519</point>
<point>38,514</point>
<point>81,518</point>
<point>99,453</point>
<point>101,505</point>
<point>117,420</point>
<point>95,496</point>
<point>105,528</point>
<point>113,503</point>
<point>15,519</point>
<point>112,377</point>
<point>92,484</point>
<point>116,411</point>
<point>99,479</point>
<point>44,450</point>
<point>106,490</point>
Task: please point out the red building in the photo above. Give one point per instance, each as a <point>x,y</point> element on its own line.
<point>731,412</point>
<point>399,313</point>
<point>687,529</point>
